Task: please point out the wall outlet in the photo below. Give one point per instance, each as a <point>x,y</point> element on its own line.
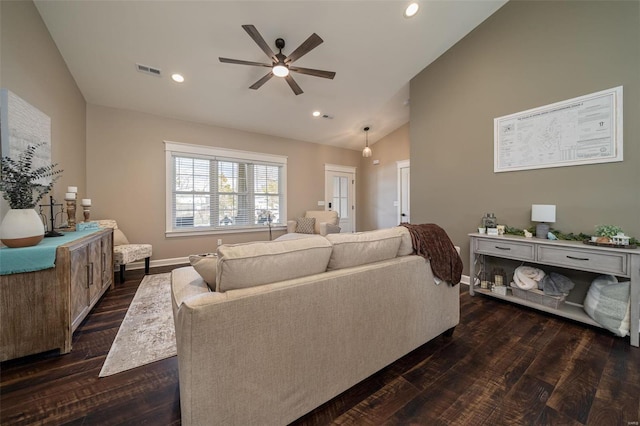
<point>320,203</point>
<point>219,241</point>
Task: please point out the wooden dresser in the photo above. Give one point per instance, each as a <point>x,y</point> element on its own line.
<point>39,311</point>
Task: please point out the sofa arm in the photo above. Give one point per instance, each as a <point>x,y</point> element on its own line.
<point>291,226</point>
<point>328,228</point>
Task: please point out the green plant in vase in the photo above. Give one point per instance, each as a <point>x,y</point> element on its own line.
<point>21,187</point>
<point>606,232</point>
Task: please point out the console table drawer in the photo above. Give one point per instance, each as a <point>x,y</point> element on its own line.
<point>509,249</point>
<point>613,263</point>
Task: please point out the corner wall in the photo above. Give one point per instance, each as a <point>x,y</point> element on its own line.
<point>378,184</point>
<point>528,54</point>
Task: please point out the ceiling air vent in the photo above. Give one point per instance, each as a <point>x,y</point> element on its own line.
<point>148,70</point>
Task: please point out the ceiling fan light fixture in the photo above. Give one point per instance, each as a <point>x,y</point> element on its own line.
<point>280,70</point>
<point>366,152</point>
<point>411,10</point>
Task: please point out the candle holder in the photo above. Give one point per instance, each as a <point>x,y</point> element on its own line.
<point>71,213</point>
<point>86,208</point>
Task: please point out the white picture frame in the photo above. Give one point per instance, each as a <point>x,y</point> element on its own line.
<point>21,125</point>
<point>583,130</point>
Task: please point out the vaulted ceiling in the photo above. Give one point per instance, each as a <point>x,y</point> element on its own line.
<point>371,46</point>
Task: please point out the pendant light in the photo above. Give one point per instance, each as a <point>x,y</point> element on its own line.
<point>366,152</point>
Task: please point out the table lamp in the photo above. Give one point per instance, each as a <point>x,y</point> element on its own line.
<point>543,213</point>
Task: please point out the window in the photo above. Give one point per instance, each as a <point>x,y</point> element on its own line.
<point>217,190</point>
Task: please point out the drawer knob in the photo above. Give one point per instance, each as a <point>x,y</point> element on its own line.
<point>577,258</point>
<point>503,248</point>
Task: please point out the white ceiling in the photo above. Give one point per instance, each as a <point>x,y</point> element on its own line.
<point>371,46</point>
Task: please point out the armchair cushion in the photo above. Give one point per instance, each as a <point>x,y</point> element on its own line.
<point>326,222</point>
<point>128,253</point>
<point>305,225</point>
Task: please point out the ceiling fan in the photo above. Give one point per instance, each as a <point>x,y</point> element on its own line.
<point>281,64</point>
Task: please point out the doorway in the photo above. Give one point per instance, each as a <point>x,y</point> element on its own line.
<point>340,190</point>
<point>404,185</point>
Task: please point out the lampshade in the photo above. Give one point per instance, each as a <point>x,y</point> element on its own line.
<point>366,152</point>
<point>543,213</point>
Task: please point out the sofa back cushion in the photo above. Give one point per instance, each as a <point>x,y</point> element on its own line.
<point>353,249</point>
<point>264,262</point>
<point>406,245</point>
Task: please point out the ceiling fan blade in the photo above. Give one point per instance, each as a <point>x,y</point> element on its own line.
<point>294,86</point>
<point>255,35</point>
<point>309,44</point>
<point>241,62</point>
<point>263,80</point>
<point>315,73</point>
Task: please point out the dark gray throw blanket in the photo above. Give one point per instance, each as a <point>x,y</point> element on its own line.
<point>432,242</point>
<point>554,284</point>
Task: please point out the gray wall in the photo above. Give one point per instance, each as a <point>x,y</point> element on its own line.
<point>528,54</point>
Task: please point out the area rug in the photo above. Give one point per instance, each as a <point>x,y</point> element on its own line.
<point>147,333</point>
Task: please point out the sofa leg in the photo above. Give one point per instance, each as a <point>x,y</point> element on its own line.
<point>449,332</point>
<point>146,265</point>
<point>122,273</point>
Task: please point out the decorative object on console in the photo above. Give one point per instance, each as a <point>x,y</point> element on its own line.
<point>489,221</point>
<point>543,213</point>
<point>86,208</point>
<point>70,198</point>
<point>366,152</point>
<point>22,186</point>
<point>620,239</point>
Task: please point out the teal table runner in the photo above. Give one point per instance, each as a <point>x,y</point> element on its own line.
<point>38,257</point>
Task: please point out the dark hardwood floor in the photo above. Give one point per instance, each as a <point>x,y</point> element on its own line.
<point>504,365</point>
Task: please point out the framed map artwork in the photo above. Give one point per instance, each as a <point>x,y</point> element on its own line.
<point>582,130</point>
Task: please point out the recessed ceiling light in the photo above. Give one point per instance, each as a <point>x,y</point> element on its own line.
<point>178,78</point>
<point>411,10</point>
<point>316,113</point>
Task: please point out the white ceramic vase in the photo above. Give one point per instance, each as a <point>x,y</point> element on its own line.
<point>21,228</point>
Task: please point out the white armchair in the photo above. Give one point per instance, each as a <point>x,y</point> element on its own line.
<point>125,252</point>
<point>320,222</point>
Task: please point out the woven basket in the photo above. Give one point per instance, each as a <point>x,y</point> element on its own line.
<point>538,296</point>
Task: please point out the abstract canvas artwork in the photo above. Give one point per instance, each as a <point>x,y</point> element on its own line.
<point>22,124</point>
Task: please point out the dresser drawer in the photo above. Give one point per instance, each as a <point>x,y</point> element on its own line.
<point>508,249</point>
<point>587,260</point>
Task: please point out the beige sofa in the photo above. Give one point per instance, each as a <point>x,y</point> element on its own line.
<point>294,323</point>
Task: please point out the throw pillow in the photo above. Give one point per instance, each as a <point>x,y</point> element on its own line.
<point>306,225</point>
<point>205,265</point>
<point>607,302</point>
<point>118,238</point>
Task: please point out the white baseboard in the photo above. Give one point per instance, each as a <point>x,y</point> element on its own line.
<point>159,262</point>
<point>465,280</point>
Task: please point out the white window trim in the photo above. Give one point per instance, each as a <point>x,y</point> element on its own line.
<point>171,148</point>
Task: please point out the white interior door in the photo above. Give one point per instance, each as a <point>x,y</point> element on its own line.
<point>404,185</point>
<point>340,184</point>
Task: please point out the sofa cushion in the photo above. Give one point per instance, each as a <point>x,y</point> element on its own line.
<point>305,225</point>
<point>206,266</point>
<point>264,262</point>
<point>406,245</point>
<point>363,247</point>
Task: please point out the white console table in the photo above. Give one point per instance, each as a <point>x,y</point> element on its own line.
<point>564,254</point>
